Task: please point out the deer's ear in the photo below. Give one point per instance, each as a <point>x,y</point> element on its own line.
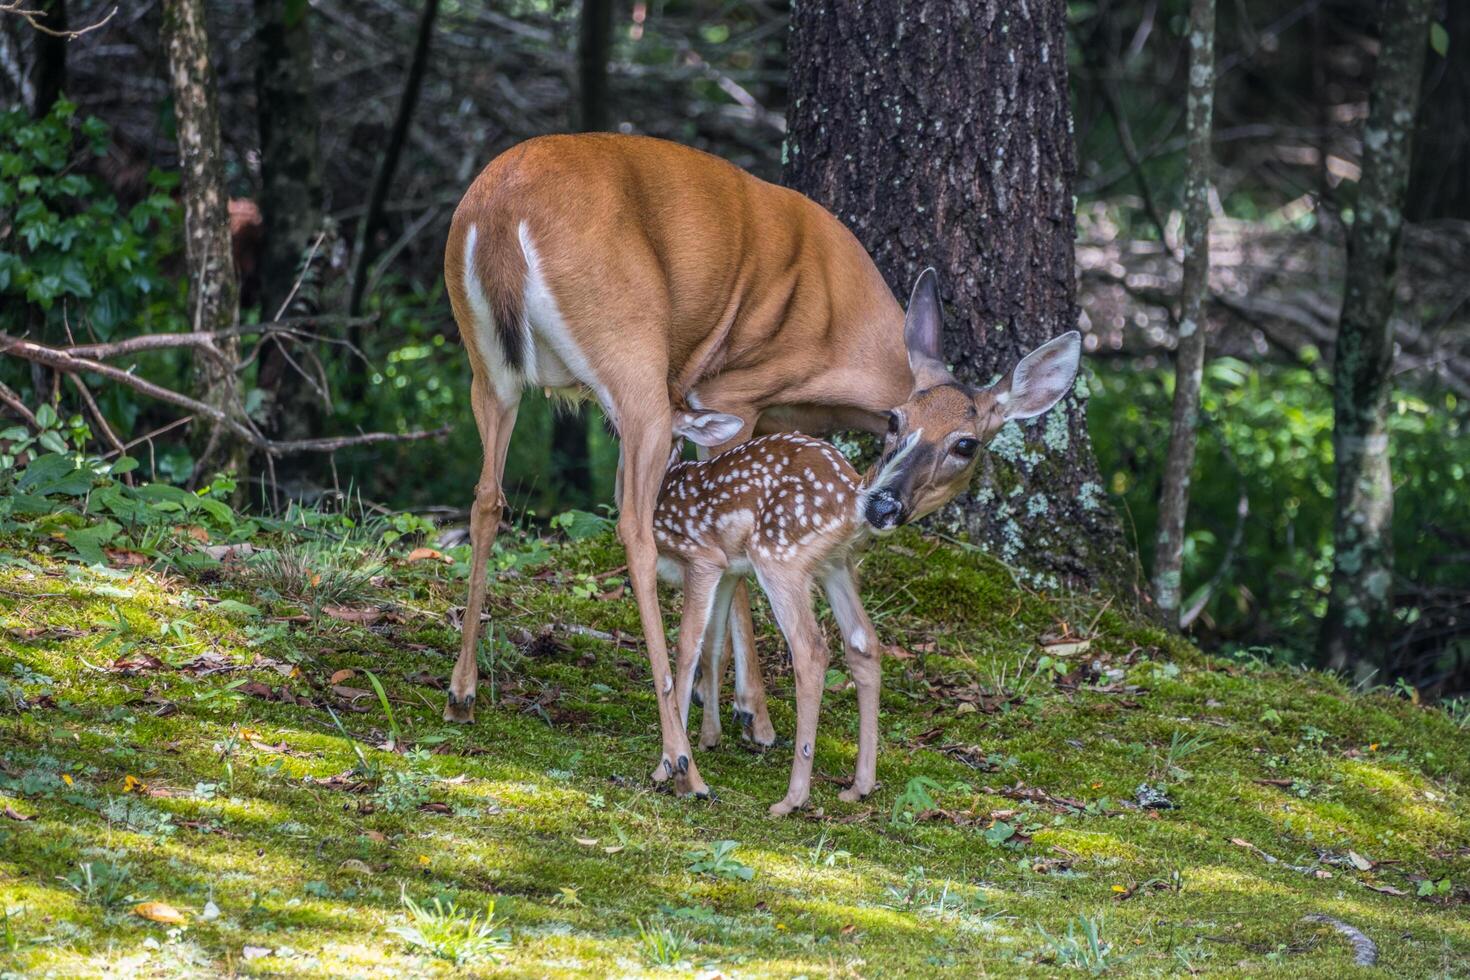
<point>708,428</point>
<point>1041,378</point>
<point>921,332</point>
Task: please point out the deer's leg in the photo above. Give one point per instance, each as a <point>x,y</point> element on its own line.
<point>864,662</point>
<point>750,687</point>
<point>712,657</point>
<point>646,431</point>
<point>495,420</point>
<point>701,594</point>
<point>791,601</point>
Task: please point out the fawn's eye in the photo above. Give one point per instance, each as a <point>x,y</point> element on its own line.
<point>893,423</point>
<point>965,448</point>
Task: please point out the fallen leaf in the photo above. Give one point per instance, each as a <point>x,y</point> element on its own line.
<point>1385,889</point>
<point>355,866</point>
<point>210,913</point>
<point>126,559</point>
<point>1358,861</point>
<point>345,674</point>
<point>350,693</point>
<point>615,848</point>
<point>132,784</point>
<point>897,652</point>
<point>254,952</point>
<point>160,912</point>
<point>13,814</point>
<point>135,663</point>
<point>586,841</point>
<point>1066,648</point>
<point>229,552</point>
<point>366,616</point>
<point>436,807</point>
<point>429,554</point>
<point>374,835</point>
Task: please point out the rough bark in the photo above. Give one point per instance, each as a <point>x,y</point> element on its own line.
<point>214,291</point>
<point>1359,609</point>
<point>1189,354</point>
<point>940,133</point>
<point>50,57</point>
<point>594,39</point>
<point>408,100</point>
<point>290,197</point>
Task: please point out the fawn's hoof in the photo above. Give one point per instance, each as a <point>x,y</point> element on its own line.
<point>461,711</point>
<point>853,795</point>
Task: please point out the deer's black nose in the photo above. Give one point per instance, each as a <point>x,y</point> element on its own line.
<point>884,510</point>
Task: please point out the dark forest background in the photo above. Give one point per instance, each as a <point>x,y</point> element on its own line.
<point>407,101</point>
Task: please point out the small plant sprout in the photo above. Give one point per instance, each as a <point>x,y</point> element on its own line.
<point>395,739</point>
<point>661,946</point>
<point>718,860</point>
<point>443,930</point>
<point>822,855</point>
<point>1181,747</point>
<point>1083,946</point>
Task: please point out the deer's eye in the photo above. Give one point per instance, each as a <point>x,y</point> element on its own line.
<point>893,423</point>
<point>965,448</point>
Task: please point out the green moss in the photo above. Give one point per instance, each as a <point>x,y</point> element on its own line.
<point>549,791</point>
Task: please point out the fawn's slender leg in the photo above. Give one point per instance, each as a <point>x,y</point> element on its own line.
<point>701,595</point>
<point>750,687</point>
<point>736,644</point>
<point>495,420</point>
<point>646,431</point>
<point>713,660</point>
<point>789,590</point>
<point>864,662</point>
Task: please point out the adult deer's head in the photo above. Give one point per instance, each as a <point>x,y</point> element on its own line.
<point>935,438</point>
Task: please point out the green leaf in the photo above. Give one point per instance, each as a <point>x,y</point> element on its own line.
<point>52,441</point>
<point>88,541</point>
<point>124,464</point>
<point>1439,39</point>
<point>46,416</point>
<point>237,608</point>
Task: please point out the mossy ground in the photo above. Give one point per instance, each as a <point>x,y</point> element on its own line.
<point>235,809</point>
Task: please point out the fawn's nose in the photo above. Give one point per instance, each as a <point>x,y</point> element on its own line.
<point>884,510</point>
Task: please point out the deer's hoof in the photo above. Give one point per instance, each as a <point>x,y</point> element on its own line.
<point>853,795</point>
<point>786,806</point>
<point>460,711</point>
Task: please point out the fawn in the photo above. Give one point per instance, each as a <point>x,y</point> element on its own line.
<point>791,510</point>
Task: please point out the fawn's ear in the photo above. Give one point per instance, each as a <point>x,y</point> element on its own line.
<point>707,428</point>
<point>1041,378</point>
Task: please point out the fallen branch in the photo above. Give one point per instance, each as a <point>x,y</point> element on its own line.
<point>11,399</point>
<point>290,326</point>
<point>1365,950</point>
<point>67,363</point>
<point>18,8</point>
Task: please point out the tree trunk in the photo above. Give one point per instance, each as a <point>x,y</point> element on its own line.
<point>593,41</point>
<point>1360,607</point>
<point>1189,355</point>
<point>570,454</point>
<point>290,198</point>
<point>940,133</point>
<point>214,292</point>
<point>366,247</point>
<point>50,51</point>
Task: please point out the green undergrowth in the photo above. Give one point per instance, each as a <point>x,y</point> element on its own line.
<point>209,736</point>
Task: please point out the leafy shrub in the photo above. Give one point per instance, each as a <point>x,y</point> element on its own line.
<point>65,237</point>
